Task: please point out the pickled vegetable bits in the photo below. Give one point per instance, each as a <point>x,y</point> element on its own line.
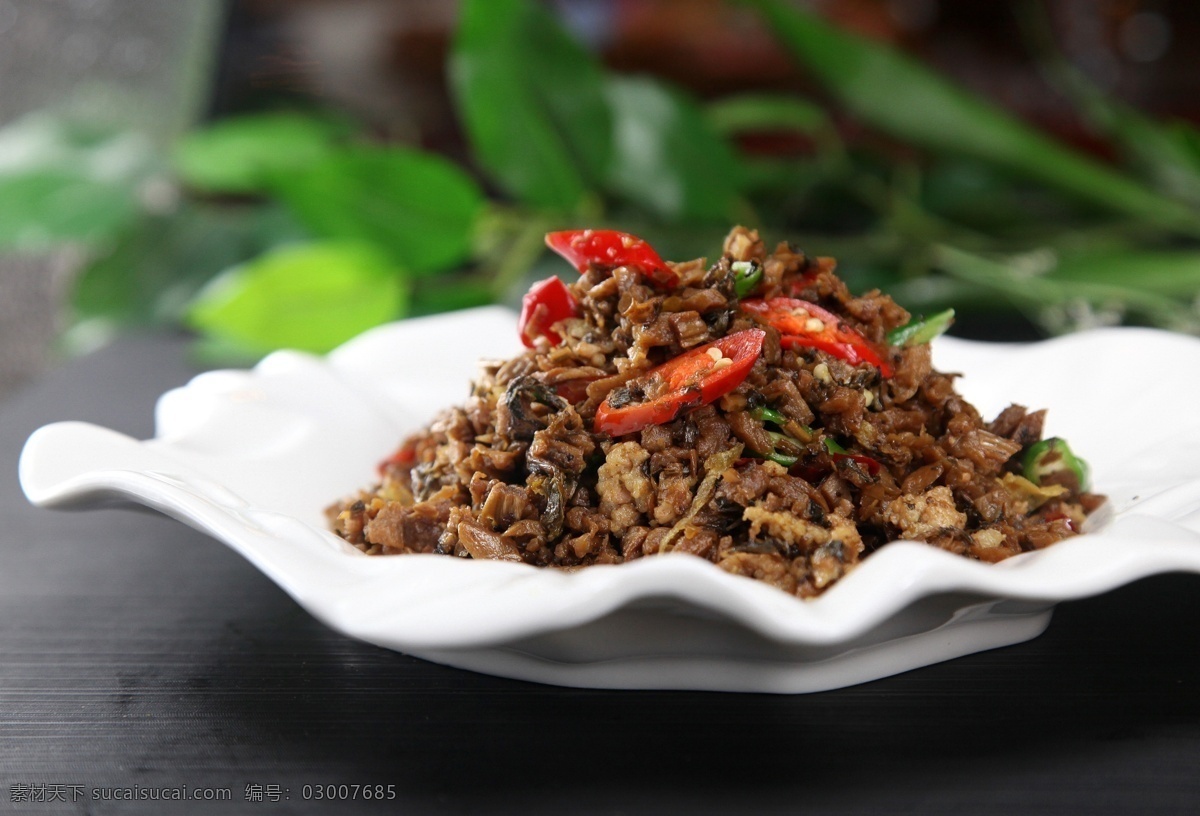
<point>750,412</point>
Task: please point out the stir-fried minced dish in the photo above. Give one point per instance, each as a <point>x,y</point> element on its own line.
<point>751,412</point>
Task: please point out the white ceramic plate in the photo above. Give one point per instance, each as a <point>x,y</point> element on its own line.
<point>253,457</point>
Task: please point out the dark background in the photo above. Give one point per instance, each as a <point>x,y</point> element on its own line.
<point>383,60</point>
<point>137,652</point>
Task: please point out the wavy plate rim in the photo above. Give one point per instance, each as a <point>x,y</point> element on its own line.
<point>473,605</point>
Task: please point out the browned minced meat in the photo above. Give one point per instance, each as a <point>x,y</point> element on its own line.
<point>518,474</point>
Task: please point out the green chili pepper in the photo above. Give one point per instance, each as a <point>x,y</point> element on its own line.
<point>794,429</point>
<point>746,276</point>
<point>918,332</point>
<point>764,414</point>
<point>782,458</point>
<point>832,446</point>
<point>1051,456</point>
<point>786,451</point>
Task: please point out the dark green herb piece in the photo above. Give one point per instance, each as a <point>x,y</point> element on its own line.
<point>785,449</point>
<point>782,458</point>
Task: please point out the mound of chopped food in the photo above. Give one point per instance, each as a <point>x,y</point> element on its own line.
<point>751,412</point>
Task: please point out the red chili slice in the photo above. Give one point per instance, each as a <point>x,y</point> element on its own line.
<point>804,324</point>
<point>694,378</point>
<point>1058,516</point>
<point>609,248</point>
<point>868,464</point>
<point>404,456</point>
<point>796,286</point>
<point>546,303</point>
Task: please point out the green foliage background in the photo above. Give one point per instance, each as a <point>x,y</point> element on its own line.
<point>297,229</point>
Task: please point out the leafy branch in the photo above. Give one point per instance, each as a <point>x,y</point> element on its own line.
<point>299,229</point>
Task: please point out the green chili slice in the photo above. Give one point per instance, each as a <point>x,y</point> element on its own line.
<point>1051,456</point>
<point>764,414</point>
<point>791,427</point>
<point>746,276</point>
<point>919,332</point>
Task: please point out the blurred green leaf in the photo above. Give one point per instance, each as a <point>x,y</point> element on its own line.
<point>532,102</point>
<point>211,351</point>
<point>156,267</point>
<point>668,158</point>
<point>449,294</point>
<point>1188,137</point>
<point>1168,152</point>
<point>45,208</point>
<point>890,91</point>
<point>516,247</point>
<point>419,207</point>
<point>765,112</point>
<point>64,182</point>
<point>240,155</point>
<point>42,142</point>
<point>310,297</point>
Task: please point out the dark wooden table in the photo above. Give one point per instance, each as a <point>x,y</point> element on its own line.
<point>136,654</point>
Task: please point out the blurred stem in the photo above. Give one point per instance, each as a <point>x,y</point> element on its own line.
<point>519,255</point>
<point>893,93</point>
<point>897,202</point>
<point>1147,143</point>
<point>1034,293</point>
<point>1109,235</point>
<point>1059,72</point>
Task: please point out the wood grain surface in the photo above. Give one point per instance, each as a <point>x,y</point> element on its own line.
<point>136,654</point>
